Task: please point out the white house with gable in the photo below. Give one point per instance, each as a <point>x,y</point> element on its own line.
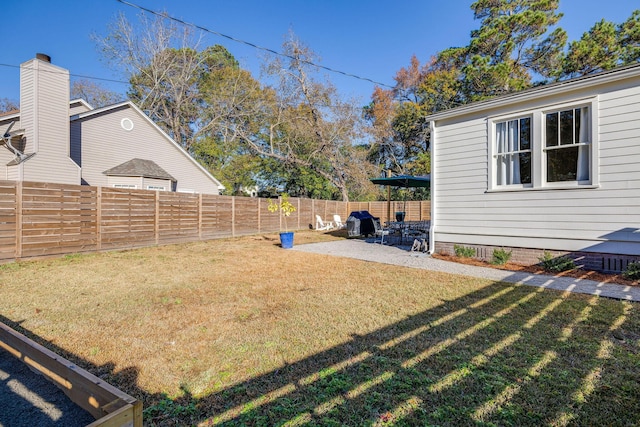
<point>553,168</point>
<point>53,139</point>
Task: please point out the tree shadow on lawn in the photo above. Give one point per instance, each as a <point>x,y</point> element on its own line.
<point>503,355</point>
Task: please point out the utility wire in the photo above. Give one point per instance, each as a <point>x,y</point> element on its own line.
<point>255,46</point>
<point>81,76</point>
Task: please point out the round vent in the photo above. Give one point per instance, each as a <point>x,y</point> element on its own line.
<point>126,124</point>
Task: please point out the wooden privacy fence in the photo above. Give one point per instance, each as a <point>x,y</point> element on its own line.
<point>42,219</point>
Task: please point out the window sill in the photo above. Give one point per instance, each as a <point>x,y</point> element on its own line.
<point>550,188</point>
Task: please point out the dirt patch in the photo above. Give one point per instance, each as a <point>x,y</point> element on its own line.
<point>577,273</point>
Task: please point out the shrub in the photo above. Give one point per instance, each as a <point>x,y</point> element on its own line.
<point>500,256</point>
<point>633,271</point>
<point>464,251</point>
<point>557,264</point>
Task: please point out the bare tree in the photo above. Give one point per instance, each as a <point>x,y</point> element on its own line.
<point>97,96</point>
<point>7,105</point>
<point>162,63</point>
<point>298,121</point>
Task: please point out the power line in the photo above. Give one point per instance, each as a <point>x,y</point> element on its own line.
<point>253,45</point>
<point>72,75</point>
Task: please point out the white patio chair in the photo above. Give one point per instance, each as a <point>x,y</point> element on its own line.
<point>380,231</point>
<point>338,221</point>
<point>321,226</point>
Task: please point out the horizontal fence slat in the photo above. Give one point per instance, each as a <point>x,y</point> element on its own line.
<point>48,219</point>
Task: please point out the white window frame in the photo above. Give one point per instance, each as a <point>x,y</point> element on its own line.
<point>538,147</point>
<point>126,186</point>
<point>592,140</point>
<point>157,187</point>
<point>497,154</point>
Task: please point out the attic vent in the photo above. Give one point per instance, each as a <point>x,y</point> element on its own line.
<point>126,124</point>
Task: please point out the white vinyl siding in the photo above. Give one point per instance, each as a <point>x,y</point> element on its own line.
<point>44,111</point>
<point>601,217</point>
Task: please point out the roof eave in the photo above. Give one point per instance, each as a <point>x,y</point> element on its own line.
<point>601,78</point>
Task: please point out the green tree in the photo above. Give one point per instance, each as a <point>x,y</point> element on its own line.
<point>165,67</point>
<point>597,50</point>
<point>509,44</point>
<point>628,34</point>
<point>301,130</point>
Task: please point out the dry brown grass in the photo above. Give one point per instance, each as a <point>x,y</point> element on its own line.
<point>206,315</point>
<point>241,332</point>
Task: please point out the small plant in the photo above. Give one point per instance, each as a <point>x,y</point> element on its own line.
<point>464,251</point>
<point>500,256</point>
<point>633,271</point>
<point>556,264</point>
<point>284,206</point>
<point>167,408</point>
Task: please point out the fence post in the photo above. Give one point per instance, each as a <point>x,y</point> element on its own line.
<point>233,216</point>
<point>200,216</point>
<point>259,219</point>
<point>18,220</point>
<point>157,217</point>
<point>99,218</point>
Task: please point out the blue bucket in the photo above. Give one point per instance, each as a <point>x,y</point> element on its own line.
<point>286,239</point>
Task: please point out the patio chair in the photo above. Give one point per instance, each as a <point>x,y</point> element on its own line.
<point>321,226</point>
<point>338,221</point>
<point>380,231</point>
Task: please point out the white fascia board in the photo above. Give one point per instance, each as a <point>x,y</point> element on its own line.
<point>588,81</point>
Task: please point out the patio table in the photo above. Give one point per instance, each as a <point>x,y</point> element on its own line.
<point>408,229</point>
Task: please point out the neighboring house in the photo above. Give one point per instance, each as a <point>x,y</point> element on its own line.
<point>556,168</point>
<point>52,139</point>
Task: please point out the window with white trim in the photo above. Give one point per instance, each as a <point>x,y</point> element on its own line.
<point>156,187</point>
<point>513,151</point>
<point>544,148</point>
<point>125,186</point>
<point>567,145</point>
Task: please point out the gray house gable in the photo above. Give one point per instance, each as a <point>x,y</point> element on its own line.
<point>118,133</point>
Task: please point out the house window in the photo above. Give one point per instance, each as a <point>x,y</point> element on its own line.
<point>544,148</point>
<point>155,187</point>
<point>513,151</point>
<point>567,145</point>
<point>125,186</point>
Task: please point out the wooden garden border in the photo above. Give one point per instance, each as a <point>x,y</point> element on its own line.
<point>108,405</point>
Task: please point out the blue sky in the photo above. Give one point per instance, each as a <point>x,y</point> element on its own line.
<point>372,39</point>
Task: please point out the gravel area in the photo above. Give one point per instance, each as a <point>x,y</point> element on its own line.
<point>367,250</point>
<point>28,399</point>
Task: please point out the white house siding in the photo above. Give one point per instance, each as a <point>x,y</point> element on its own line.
<point>44,110</point>
<point>13,173</point>
<point>106,144</point>
<point>603,219</point>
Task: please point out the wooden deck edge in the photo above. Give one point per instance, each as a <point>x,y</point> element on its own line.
<point>110,406</point>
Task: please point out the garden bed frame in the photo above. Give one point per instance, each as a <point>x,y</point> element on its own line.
<point>108,405</point>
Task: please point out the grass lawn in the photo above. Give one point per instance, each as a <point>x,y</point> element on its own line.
<point>242,332</point>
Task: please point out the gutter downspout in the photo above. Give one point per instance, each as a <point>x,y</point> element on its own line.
<point>434,182</point>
